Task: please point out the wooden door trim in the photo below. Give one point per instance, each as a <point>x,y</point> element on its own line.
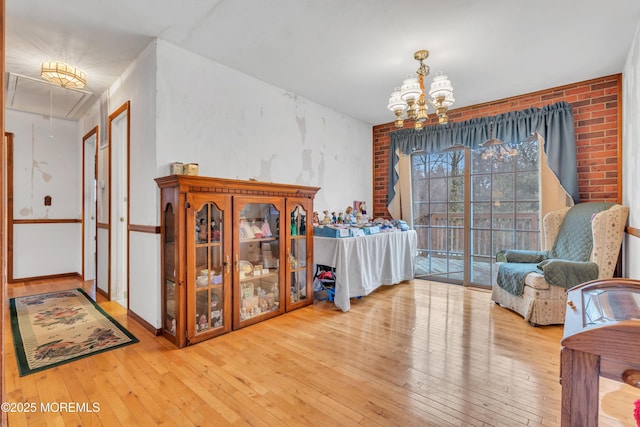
<point>3,218</point>
<point>124,107</point>
<point>91,133</point>
<point>9,213</point>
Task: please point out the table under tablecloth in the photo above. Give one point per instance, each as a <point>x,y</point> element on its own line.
<point>365,263</point>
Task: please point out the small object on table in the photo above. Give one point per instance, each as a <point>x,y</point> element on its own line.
<point>326,219</point>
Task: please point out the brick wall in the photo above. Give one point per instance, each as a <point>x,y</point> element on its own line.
<point>597,111</point>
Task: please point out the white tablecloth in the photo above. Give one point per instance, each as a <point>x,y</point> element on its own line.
<point>365,263</point>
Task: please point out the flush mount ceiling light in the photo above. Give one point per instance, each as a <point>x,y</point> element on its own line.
<point>63,74</point>
<point>409,101</point>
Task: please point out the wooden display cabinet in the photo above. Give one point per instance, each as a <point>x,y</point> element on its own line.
<point>234,253</point>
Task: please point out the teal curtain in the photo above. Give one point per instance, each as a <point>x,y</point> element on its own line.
<point>554,122</point>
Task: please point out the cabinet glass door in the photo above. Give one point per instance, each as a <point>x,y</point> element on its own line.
<point>208,291</point>
<point>170,297</point>
<point>297,251</point>
<point>257,253</point>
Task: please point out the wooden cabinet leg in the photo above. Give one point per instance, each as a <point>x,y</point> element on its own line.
<point>580,376</point>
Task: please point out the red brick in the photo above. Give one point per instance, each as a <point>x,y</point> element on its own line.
<point>605,84</point>
<point>603,154</point>
<point>578,104</point>
<point>592,176</point>
<point>591,135</point>
<point>591,121</point>
<point>604,181</point>
<point>612,167</point>
<point>589,148</point>
<point>577,90</point>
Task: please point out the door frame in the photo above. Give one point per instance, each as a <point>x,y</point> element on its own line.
<point>123,108</point>
<point>85,138</point>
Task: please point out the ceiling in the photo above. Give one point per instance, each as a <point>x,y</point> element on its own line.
<point>346,55</point>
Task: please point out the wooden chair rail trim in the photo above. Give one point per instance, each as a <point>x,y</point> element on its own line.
<point>633,231</point>
<point>47,221</point>
<point>153,229</point>
<point>44,278</point>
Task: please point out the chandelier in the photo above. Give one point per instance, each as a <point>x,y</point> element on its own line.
<point>63,75</point>
<point>409,101</point>
<point>497,148</point>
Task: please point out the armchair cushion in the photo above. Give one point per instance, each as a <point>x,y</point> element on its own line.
<point>514,255</point>
<point>575,240</point>
<point>567,274</point>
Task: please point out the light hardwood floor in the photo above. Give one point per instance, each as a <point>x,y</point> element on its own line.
<point>419,353</point>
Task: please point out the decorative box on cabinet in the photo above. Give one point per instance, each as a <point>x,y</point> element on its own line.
<point>234,253</point>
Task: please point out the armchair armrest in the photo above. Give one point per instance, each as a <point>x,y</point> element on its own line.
<point>514,255</point>
<point>567,274</point>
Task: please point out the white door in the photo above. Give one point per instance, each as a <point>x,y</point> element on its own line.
<point>104,228</point>
<point>90,200</point>
<point>119,144</point>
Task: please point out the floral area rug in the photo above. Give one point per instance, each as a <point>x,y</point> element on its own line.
<point>59,327</point>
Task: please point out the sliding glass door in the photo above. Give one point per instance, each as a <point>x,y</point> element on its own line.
<point>467,205</point>
<point>439,214</point>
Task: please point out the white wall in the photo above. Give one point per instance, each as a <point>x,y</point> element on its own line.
<point>631,154</point>
<point>138,86</point>
<point>47,161</point>
<point>235,126</point>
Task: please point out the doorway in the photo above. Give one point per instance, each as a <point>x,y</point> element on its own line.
<point>119,205</point>
<point>89,208</point>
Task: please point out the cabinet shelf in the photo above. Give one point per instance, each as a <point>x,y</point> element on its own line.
<point>261,239</point>
<point>203,244</point>
<point>205,287</point>
<point>260,276</point>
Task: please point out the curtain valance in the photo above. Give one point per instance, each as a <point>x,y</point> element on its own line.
<point>554,122</point>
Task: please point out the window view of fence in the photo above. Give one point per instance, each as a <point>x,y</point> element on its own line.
<point>462,222</point>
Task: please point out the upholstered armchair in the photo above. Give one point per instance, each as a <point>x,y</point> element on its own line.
<point>581,243</point>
